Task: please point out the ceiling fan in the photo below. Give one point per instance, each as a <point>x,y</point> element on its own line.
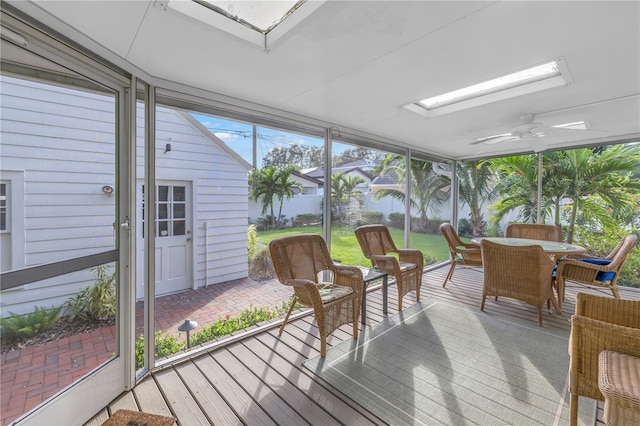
<point>528,129</point>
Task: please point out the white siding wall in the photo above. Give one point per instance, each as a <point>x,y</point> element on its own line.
<point>62,141</point>
<point>220,194</point>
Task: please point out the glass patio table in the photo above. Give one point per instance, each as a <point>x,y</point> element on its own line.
<point>554,248</point>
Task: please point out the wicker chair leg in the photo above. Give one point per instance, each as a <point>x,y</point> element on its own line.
<point>614,290</point>
<point>574,410</point>
<point>484,297</point>
<point>450,274</point>
<point>540,315</point>
<point>294,301</point>
<point>400,295</point>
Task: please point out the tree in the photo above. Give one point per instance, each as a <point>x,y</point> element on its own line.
<point>598,184</point>
<point>301,156</point>
<point>477,184</point>
<point>428,189</point>
<point>343,190</point>
<point>271,182</point>
<point>359,153</point>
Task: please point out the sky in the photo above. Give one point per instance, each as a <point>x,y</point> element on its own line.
<point>239,136</point>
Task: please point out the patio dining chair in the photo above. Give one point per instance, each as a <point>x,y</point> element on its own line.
<point>405,265</point>
<point>595,272</point>
<point>462,253</point>
<point>534,231</point>
<point>600,323</point>
<point>518,272</point>
<point>333,291</point>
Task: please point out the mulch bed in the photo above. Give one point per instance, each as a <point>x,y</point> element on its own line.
<point>63,328</point>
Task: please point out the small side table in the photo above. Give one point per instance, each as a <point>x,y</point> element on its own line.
<point>619,382</point>
<point>371,276</point>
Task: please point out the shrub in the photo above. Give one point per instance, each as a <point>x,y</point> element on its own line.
<point>97,302</point>
<point>16,327</point>
<point>165,346</point>
<point>252,241</point>
<point>396,220</point>
<point>464,228</point>
<point>429,259</point>
<point>306,219</point>
<point>370,218</point>
<point>228,325</point>
<point>261,267</point>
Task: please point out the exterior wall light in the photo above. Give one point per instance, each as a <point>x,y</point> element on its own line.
<point>107,189</point>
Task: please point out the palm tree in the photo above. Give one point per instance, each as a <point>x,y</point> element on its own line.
<point>428,189</point>
<point>342,190</point>
<point>477,184</point>
<point>271,182</point>
<point>599,184</point>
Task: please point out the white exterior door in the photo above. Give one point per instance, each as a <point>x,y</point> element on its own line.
<point>173,239</point>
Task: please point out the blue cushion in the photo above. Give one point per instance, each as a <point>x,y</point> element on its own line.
<point>601,276</point>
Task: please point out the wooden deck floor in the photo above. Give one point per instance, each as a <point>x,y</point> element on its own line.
<point>260,379</point>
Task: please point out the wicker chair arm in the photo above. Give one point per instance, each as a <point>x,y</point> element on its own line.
<point>622,312</point>
<point>588,338</point>
<point>613,266</point>
<point>388,264</point>
<point>350,276</point>
<point>411,256</point>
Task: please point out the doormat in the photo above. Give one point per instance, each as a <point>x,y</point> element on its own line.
<point>138,418</point>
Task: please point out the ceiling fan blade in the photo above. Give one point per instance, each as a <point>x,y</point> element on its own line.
<point>567,131</point>
<point>496,139</point>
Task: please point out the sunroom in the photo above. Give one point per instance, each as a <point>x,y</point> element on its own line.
<point>101,100</point>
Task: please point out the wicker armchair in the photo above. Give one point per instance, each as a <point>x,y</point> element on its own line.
<point>518,272</point>
<point>534,231</point>
<point>462,253</point>
<point>302,262</point>
<point>600,323</point>
<point>377,246</point>
<point>593,274</point>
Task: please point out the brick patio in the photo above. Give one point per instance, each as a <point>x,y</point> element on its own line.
<point>31,375</point>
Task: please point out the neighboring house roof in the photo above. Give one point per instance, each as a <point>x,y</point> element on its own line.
<point>390,178</point>
<point>312,180</point>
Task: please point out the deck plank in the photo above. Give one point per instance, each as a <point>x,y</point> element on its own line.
<point>150,399</point>
<point>126,401</point>
<point>99,418</point>
<point>179,398</point>
<point>288,362</point>
<point>272,403</point>
<point>208,398</point>
<point>261,363</point>
<point>235,396</point>
<point>261,380</point>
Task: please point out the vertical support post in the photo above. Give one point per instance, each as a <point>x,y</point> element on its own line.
<point>455,194</point>
<point>407,199</point>
<point>539,198</point>
<point>150,227</point>
<point>326,211</point>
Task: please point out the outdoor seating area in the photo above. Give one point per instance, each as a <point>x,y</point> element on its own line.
<point>259,377</point>
<point>316,212</point>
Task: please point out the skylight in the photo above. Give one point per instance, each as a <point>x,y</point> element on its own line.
<point>262,16</point>
<point>260,22</point>
<point>540,77</point>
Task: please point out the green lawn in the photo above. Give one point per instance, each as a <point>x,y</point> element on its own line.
<point>345,247</point>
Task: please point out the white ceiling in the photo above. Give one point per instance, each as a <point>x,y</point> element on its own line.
<point>355,63</point>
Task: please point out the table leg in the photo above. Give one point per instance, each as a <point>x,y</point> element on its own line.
<point>363,309</point>
<point>385,288</point>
